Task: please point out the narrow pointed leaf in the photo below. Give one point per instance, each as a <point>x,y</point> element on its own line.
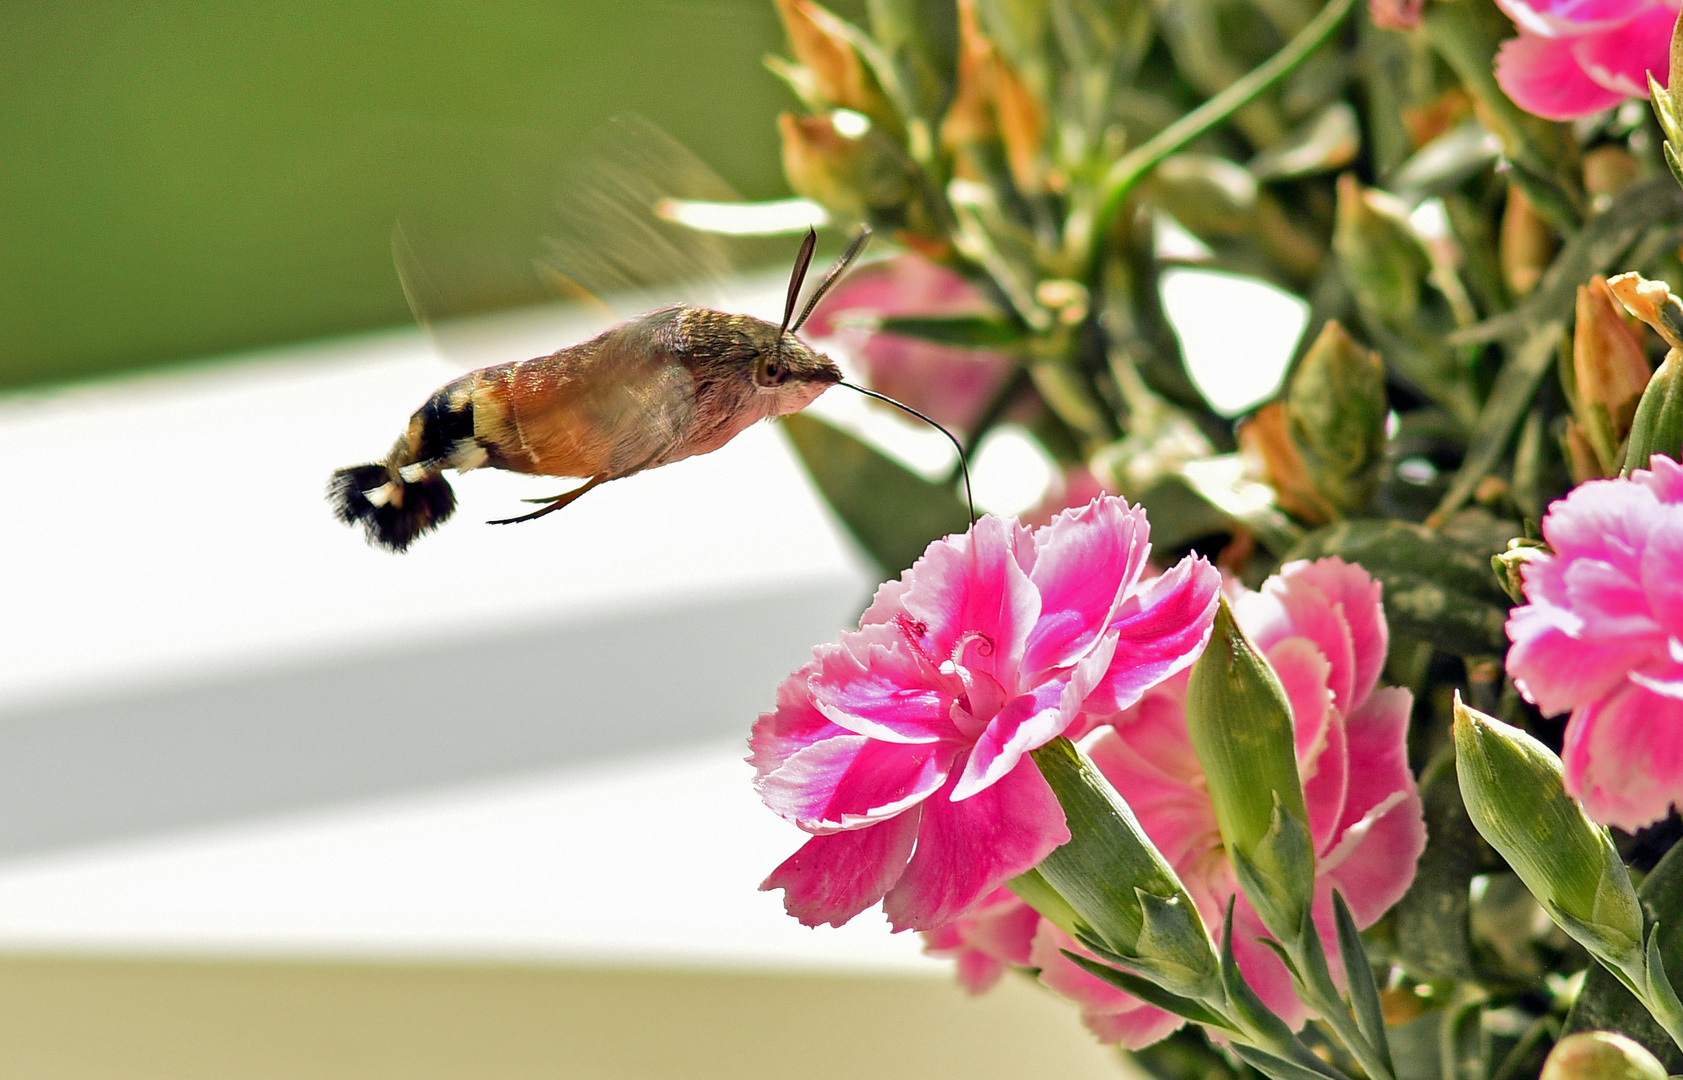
<point>1147,991</point>
<point>1358,975</point>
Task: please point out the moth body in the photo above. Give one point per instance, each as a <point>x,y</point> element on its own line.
<point>666,386</point>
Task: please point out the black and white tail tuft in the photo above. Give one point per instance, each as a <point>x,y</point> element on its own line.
<point>391,510</point>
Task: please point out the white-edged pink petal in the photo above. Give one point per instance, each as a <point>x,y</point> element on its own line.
<point>1086,561</point>
<point>851,781</point>
<point>1161,630</point>
<point>967,849</point>
<point>832,878</point>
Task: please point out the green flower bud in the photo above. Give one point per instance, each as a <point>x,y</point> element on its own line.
<point>1668,104</point>
<point>1511,784</point>
<point>1337,410</point>
<point>1658,426</point>
<point>1115,882</point>
<point>843,162</point>
<point>1520,551</point>
<point>1379,256</point>
<point>1601,1055</point>
<point>1240,724</point>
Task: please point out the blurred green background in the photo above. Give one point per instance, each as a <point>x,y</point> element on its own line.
<point>183,179</point>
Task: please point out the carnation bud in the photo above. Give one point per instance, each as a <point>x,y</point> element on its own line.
<point>1521,551</point>
<point>1601,1055</point>
<point>1240,724</point>
<point>1658,427</point>
<point>992,101</point>
<point>1111,877</point>
<point>823,45</point>
<point>1337,409</point>
<point>1266,443</point>
<point>845,163</point>
<point>1525,245</point>
<point>1512,787</point>
<point>1611,372</point>
<point>1380,257</point>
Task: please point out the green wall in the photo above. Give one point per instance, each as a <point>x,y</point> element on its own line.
<point>183,179</point>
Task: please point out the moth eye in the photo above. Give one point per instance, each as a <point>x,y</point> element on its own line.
<point>773,373</point>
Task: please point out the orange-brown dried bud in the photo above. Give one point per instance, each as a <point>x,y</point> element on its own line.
<point>1610,369</point>
<point>991,101</point>
<point>1265,442</point>
<point>1526,244</point>
<point>1652,302</point>
<point>1581,459</point>
<point>820,43</point>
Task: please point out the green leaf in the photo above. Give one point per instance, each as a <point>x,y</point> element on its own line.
<point>1146,990</point>
<point>893,512</point>
<point>1433,940</point>
<point>1535,327</point>
<point>1436,589</point>
<point>965,331</point>
<point>1274,1067</point>
<point>1605,1004</point>
<point>1358,973</point>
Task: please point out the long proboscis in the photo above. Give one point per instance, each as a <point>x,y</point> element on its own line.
<point>963,458</point>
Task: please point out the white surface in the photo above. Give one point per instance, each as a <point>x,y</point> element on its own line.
<point>175,525</point>
<point>653,862</point>
<point>1236,334</point>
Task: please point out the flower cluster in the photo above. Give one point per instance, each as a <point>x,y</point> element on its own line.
<point>1322,629</point>
<point>1602,637</point>
<point>901,748</point>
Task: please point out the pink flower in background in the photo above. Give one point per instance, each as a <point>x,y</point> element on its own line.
<point>902,747</point>
<point>1576,57</point>
<point>952,385</point>
<point>998,933</point>
<point>1321,626</point>
<point>1602,636</point>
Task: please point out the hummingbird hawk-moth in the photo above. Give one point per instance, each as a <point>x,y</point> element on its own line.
<point>671,384</point>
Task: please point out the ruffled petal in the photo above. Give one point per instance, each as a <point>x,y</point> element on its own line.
<point>967,849</point>
<point>1662,571</point>
<point>1624,757</point>
<point>1382,831</point>
<point>833,878</point>
<point>1569,18</point>
<point>1555,667</point>
<point>1292,605</point>
<point>1621,57</point>
<point>1663,477</point>
<point>1161,630</point>
<point>1358,597</point>
<point>1174,810</point>
<point>851,781</point>
<point>977,584</point>
<point>794,725</point>
<point>1543,77</point>
<point>1025,723</point>
<point>882,690</point>
<point>1085,562</point>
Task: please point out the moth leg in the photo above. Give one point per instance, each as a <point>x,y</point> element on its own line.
<point>554,504</point>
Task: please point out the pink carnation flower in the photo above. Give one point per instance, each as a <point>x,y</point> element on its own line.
<point>1576,57</point>
<point>902,748</point>
<point>1602,636</point>
<point>1321,626</point>
<point>950,384</point>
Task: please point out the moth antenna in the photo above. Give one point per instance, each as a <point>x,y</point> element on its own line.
<point>834,275</point>
<point>797,278</point>
<point>963,462</point>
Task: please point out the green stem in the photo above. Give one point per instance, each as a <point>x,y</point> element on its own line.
<point>1137,163</point>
